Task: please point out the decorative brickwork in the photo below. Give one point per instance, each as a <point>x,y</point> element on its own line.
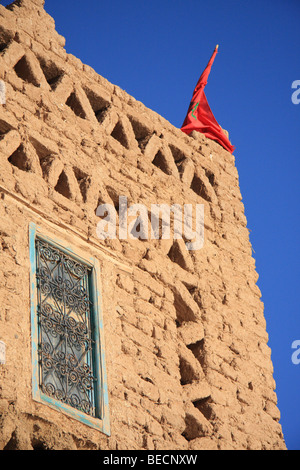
<point>185,336</point>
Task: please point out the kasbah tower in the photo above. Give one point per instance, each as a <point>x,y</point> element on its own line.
<point>121,343</point>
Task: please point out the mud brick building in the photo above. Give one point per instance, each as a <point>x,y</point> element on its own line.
<point>118,343</point>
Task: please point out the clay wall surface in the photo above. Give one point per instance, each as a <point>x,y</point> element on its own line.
<point>186,346</point>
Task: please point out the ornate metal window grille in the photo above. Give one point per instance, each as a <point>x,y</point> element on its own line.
<point>65,329</point>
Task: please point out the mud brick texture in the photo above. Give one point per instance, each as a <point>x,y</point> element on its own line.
<point>187,356</point>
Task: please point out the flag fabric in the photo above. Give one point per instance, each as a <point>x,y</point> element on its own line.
<point>200,117</point>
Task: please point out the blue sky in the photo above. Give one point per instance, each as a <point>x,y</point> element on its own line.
<point>156,51</point>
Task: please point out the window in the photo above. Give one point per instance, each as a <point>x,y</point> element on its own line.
<point>67,331</point>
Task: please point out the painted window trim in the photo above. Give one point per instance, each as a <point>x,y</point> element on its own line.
<point>102,423</point>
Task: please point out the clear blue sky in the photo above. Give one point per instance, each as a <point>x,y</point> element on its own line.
<point>156,51</point>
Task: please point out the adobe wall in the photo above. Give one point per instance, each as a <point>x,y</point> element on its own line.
<point>187,353</point>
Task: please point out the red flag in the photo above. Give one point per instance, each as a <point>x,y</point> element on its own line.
<point>200,117</point>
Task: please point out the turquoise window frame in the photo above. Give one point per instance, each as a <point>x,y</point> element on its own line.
<point>101,422</point>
